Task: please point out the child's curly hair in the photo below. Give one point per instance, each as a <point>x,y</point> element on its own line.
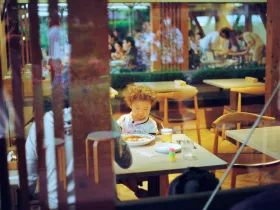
<point>141,92</point>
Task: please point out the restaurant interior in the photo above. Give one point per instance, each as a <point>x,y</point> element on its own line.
<point>139,104</point>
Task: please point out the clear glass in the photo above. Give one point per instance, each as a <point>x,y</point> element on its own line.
<point>187,147</point>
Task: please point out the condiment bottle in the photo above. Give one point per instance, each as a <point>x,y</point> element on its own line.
<point>172,157</point>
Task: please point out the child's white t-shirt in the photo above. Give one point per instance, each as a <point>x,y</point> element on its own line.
<point>146,126</point>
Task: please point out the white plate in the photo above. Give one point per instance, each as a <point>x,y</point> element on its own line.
<point>147,138</point>
<point>164,147</point>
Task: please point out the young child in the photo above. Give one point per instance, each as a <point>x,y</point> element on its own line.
<point>140,100</point>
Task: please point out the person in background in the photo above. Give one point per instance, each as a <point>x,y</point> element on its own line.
<point>194,56</point>
<point>118,54</point>
<point>140,100</point>
<point>206,43</point>
<point>131,53</point>
<point>56,46</point>
<point>193,42</point>
<point>116,33</point>
<point>254,43</point>
<point>111,42</point>
<point>123,158</point>
<point>233,45</point>
<point>138,37</point>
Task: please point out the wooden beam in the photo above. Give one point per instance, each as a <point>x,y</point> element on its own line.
<point>185,32</point>
<point>15,55</point>
<point>155,27</point>
<point>198,25</point>
<point>3,49</point>
<point>272,56</point>
<point>262,11</point>
<point>38,100</point>
<point>248,19</point>
<point>89,99</point>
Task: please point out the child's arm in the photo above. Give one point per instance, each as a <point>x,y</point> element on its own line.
<point>153,128</point>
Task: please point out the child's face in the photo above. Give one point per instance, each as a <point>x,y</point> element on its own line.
<point>140,109</point>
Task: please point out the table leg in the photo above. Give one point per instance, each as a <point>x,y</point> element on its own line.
<point>161,105</point>
<point>233,100</point>
<point>164,185</point>
<point>153,186</point>
<point>158,185</point>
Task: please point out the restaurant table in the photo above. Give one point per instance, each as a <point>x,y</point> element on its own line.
<point>147,163</point>
<point>265,139</point>
<point>164,86</point>
<point>151,165</point>
<point>232,83</point>
<point>226,84</point>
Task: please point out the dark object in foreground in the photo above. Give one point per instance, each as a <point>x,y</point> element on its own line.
<point>193,180</point>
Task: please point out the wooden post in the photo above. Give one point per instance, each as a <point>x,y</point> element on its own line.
<point>38,99</point>
<point>272,56</point>
<point>15,55</point>
<point>248,19</point>
<point>89,99</point>
<point>57,108</point>
<point>22,35</point>
<point>3,49</point>
<point>185,32</point>
<point>26,35</point>
<point>198,25</point>
<point>155,27</point>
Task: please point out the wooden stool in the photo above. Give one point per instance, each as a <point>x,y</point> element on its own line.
<point>92,140</point>
<point>61,162</point>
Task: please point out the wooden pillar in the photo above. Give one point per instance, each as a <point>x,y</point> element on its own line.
<point>262,9</point>
<point>185,32</point>
<point>155,27</point>
<point>248,19</point>
<point>15,55</point>
<point>273,56</point>
<point>221,19</point>
<point>3,49</point>
<point>200,30</point>
<point>89,99</point>
<point>38,99</point>
<point>178,13</point>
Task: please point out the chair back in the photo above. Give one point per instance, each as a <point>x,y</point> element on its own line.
<point>258,90</point>
<point>239,117</point>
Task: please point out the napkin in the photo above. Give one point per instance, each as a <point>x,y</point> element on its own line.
<point>147,154</point>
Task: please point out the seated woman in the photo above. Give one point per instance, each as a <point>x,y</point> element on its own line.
<point>118,54</point>
<point>122,153</point>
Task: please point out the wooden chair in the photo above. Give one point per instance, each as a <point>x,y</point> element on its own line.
<point>258,90</point>
<point>173,118</point>
<point>61,161</point>
<point>254,161</point>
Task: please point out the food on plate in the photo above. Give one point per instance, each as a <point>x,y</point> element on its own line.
<point>135,138</point>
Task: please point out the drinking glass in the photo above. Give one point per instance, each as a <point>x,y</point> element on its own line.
<point>166,135</point>
<point>187,147</point>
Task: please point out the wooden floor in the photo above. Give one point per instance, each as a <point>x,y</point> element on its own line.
<point>207,137</point>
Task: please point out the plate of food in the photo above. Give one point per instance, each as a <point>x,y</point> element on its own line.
<point>138,139</point>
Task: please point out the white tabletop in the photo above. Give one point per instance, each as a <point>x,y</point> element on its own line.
<point>164,86</point>
<point>152,163</point>
<point>147,162</point>
<point>265,140</point>
<point>232,83</point>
